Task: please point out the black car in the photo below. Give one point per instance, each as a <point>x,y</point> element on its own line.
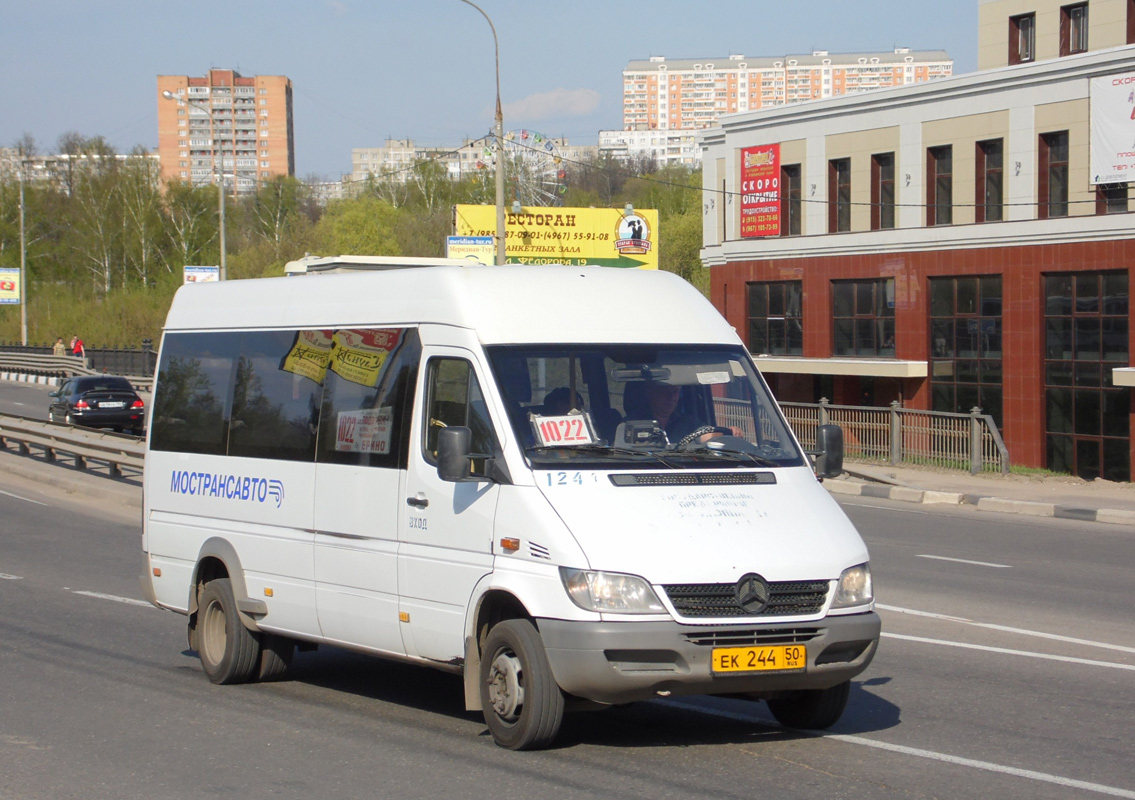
<point>98,401</point>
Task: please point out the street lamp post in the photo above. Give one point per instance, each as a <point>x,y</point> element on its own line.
<point>23,262</point>
<point>168,95</point>
<point>498,132</point>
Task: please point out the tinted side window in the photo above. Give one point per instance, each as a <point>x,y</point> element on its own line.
<point>367,394</point>
<point>192,393</point>
<point>275,406</point>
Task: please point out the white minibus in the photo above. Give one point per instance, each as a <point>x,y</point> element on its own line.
<point>569,485</point>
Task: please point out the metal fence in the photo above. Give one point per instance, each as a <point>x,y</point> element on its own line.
<point>115,360</point>
<point>899,435</point>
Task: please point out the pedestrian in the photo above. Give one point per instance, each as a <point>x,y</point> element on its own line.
<point>59,349</point>
<point>77,348</point>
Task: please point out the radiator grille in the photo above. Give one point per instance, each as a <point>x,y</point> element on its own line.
<point>751,638</point>
<point>787,598</point>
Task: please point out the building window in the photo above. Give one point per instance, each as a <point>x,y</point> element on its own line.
<point>790,200</point>
<point>990,181</point>
<point>839,195</point>
<point>965,344</point>
<point>882,191</point>
<point>1111,198</point>
<point>1130,21</point>
<point>776,322</point>
<point>1087,419</point>
<point>1022,38</point>
<point>1053,175</point>
<point>863,316</point>
<point>1074,29</point>
<point>940,185</point>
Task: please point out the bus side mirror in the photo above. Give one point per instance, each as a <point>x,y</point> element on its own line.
<point>829,447</point>
<point>453,453</point>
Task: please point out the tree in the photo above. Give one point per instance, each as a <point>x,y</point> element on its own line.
<point>277,213</point>
<point>97,198</point>
<point>359,226</point>
<point>190,227</point>
<point>141,205</point>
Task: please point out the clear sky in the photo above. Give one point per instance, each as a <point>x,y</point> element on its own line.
<point>366,70</point>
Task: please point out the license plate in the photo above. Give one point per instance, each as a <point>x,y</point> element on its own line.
<point>112,404</point>
<point>756,659</point>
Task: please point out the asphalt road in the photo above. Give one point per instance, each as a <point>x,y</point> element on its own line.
<point>1007,670</point>
<point>25,399</point>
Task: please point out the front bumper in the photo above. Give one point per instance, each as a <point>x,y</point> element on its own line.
<point>621,662</point>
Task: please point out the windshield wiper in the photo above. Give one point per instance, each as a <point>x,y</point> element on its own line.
<point>605,450</point>
<point>719,451</point>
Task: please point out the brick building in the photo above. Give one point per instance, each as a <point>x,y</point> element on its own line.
<point>950,244</point>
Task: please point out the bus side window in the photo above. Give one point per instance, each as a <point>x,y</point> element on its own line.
<point>454,398</point>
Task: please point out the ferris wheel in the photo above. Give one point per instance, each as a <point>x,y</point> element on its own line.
<point>534,169</point>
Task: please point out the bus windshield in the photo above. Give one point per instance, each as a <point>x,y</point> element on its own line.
<point>652,406</point>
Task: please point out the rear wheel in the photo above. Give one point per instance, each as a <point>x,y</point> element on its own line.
<point>229,652</point>
<point>814,709</point>
<point>523,706</point>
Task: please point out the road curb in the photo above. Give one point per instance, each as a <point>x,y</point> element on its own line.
<point>20,377</point>
<point>909,494</point>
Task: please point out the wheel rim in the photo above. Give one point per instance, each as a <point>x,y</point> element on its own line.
<point>506,688</point>
<point>212,634</point>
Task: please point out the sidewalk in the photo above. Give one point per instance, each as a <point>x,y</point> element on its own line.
<point>1061,496</point>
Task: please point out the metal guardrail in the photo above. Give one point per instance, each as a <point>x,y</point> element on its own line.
<point>899,435</point>
<point>117,450</point>
<point>59,366</point>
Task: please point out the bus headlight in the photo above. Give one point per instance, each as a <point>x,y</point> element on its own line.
<point>854,587</point>
<point>610,592</point>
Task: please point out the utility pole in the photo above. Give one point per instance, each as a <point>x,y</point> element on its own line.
<point>23,264</point>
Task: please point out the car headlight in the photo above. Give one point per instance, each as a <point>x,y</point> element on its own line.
<point>610,591</point>
<point>854,587</point>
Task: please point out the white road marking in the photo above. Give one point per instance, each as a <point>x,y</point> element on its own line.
<point>1006,629</point>
<point>1027,654</point>
<point>966,561</point>
<point>128,600</point>
<point>20,497</point>
<point>988,766</point>
<point>6,577</point>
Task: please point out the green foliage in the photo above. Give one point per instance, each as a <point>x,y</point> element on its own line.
<point>361,226</point>
<point>107,240</point>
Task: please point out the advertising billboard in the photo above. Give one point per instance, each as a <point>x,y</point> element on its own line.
<point>576,236</point>
<point>194,274</point>
<point>1112,153</point>
<point>481,249</point>
<point>10,285</point>
<point>760,191</point>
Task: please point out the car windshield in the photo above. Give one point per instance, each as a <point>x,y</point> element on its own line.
<point>641,406</point>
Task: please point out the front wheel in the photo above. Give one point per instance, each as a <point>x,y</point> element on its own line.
<point>229,652</point>
<point>814,709</point>
<point>523,706</point>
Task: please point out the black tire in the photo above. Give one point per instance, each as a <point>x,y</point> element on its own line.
<point>814,709</point>
<point>229,652</point>
<point>275,656</point>
<point>522,704</point>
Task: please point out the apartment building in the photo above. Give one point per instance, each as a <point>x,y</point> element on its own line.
<point>961,243</point>
<point>396,157</point>
<point>688,94</point>
<point>662,97</point>
<point>227,123</point>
